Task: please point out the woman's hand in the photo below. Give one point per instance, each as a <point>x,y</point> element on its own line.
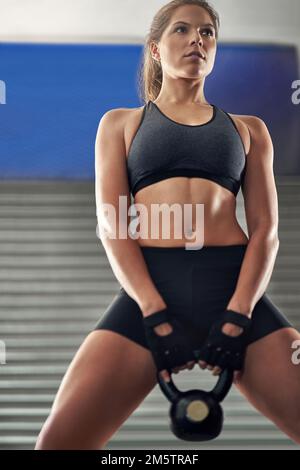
<point>231,330</point>
<point>162,330</point>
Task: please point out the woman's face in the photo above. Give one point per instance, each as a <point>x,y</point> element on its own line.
<point>180,39</point>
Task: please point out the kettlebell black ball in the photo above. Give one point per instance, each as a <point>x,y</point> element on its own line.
<point>196,415</point>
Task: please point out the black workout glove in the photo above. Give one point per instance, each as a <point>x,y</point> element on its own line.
<point>222,350</point>
<point>169,351</point>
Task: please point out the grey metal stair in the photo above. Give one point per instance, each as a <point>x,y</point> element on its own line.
<point>55,283</point>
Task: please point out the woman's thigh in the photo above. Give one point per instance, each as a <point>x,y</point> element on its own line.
<point>270,379</point>
<point>108,378</point>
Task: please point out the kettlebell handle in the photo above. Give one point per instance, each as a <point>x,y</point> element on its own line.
<point>219,392</point>
<point>223,385</point>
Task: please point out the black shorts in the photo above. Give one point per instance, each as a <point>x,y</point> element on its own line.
<point>197,286</point>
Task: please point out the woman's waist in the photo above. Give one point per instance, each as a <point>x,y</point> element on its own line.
<point>197,235</point>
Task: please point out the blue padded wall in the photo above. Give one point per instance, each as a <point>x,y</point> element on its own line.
<point>56,95</point>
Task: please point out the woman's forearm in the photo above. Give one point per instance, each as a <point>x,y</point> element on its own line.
<point>128,264</point>
<point>255,273</point>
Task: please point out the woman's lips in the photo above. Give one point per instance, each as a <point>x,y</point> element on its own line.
<point>194,57</point>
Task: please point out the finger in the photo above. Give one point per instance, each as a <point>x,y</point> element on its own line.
<point>217,371</point>
<point>165,375</point>
<point>190,365</point>
<point>236,375</point>
<point>177,369</point>
<point>202,364</point>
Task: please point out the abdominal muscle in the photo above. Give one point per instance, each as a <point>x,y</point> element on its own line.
<point>219,224</point>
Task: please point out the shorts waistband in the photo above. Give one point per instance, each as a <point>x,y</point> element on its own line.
<point>182,249</point>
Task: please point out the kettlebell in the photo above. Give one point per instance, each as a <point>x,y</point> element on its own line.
<point>197,415</point>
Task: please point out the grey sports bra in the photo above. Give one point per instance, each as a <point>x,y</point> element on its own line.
<point>163,148</point>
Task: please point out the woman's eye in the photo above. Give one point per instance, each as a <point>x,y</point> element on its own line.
<point>210,31</point>
<point>205,30</point>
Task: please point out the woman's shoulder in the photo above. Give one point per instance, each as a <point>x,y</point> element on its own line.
<point>123,115</point>
<point>124,111</point>
<point>247,119</point>
<point>248,125</point>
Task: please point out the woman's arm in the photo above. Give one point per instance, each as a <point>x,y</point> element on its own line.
<point>125,255</point>
<point>261,209</point>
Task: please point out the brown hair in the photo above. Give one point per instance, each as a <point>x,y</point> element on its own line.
<point>150,72</point>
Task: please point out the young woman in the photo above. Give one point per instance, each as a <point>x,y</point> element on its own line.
<point>179,149</point>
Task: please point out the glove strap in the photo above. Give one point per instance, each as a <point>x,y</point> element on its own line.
<point>157,318</point>
<point>230,316</point>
